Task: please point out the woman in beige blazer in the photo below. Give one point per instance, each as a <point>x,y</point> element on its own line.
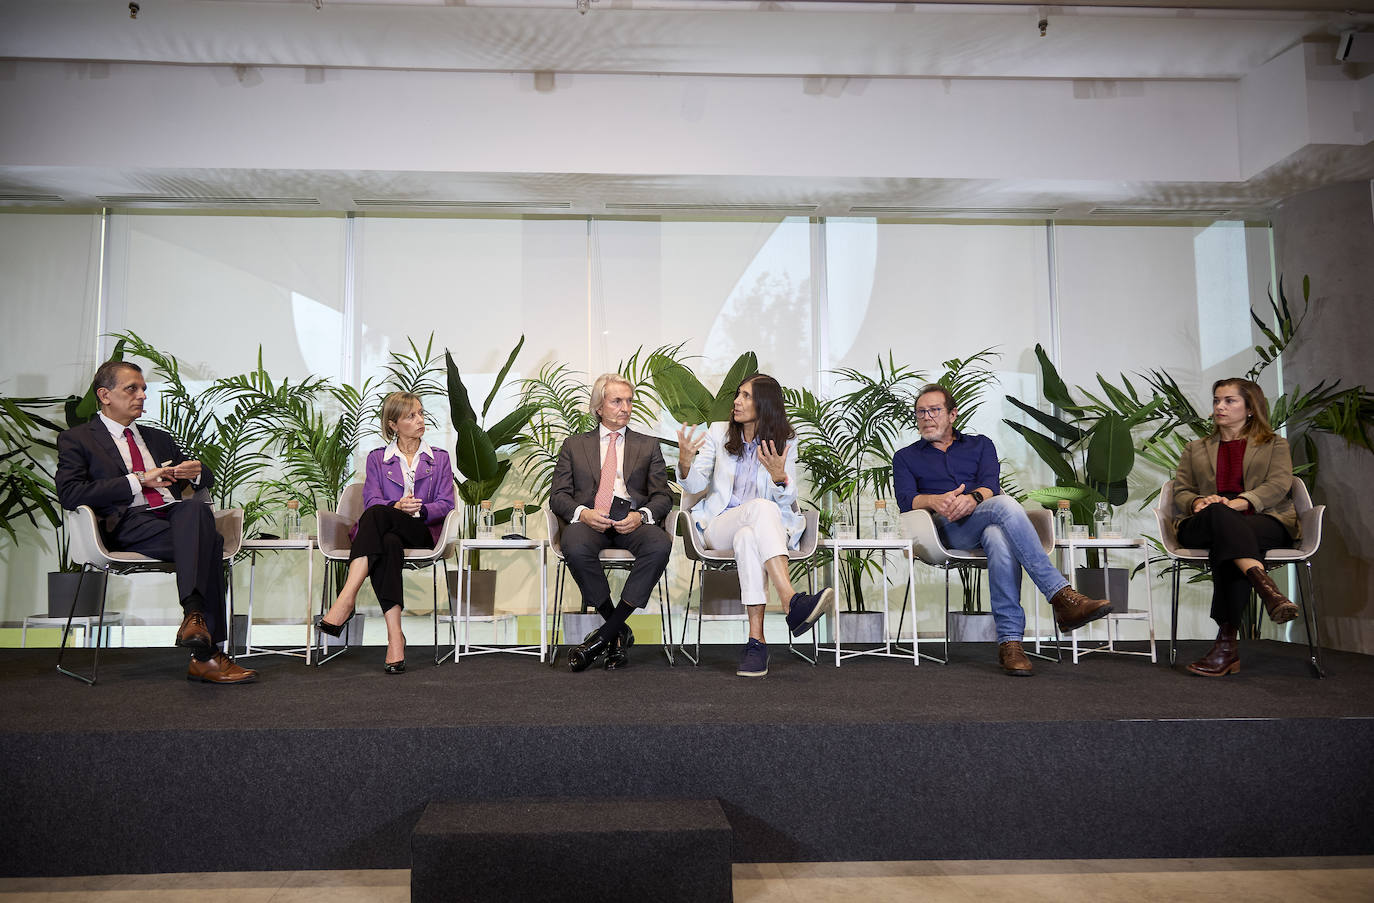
<point>1231,498</point>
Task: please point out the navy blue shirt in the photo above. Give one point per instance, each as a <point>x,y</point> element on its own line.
<point>922,469</point>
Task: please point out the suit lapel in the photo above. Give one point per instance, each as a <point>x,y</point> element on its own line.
<point>590,449</point>
<point>1210,462</point>
<point>1253,453</point>
<point>629,455</point>
<point>104,443</point>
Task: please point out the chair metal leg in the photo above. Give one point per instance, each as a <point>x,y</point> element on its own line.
<point>100,623</point>
<point>320,657</point>
<point>559,576</point>
<point>686,619</point>
<point>452,620</point>
<point>1309,611</point>
<point>665,614</point>
<point>1175,576</point>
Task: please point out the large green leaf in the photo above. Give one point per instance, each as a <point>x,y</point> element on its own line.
<point>508,429</point>
<point>473,452</point>
<point>501,376</point>
<point>1111,453</point>
<point>1049,451</point>
<point>1066,431</point>
<point>682,393</point>
<point>746,364</point>
<point>1055,391</point>
<point>460,406</point>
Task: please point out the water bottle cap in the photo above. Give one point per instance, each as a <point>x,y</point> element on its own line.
<point>1063,503</point>
<point>486,504</point>
<point>293,505</point>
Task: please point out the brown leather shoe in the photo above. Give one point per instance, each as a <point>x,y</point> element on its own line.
<point>1222,659</point>
<point>193,634</point>
<point>1013,659</point>
<point>1072,609</point>
<point>219,669</point>
<point>1281,609</point>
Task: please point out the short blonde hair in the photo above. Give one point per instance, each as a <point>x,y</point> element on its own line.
<point>396,406</point>
<point>599,389</point>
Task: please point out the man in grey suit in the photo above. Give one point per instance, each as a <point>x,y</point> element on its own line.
<point>611,468</point>
<point>133,478</point>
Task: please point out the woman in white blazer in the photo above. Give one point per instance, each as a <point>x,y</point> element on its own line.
<point>748,468</point>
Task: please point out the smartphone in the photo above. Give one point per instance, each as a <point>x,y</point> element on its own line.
<point>620,509</point>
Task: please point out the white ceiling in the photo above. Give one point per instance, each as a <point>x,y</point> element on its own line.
<point>838,45</point>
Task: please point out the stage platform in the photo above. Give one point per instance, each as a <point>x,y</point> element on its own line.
<point>331,767</point>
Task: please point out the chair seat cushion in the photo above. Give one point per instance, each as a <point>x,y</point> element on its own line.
<point>617,555</point>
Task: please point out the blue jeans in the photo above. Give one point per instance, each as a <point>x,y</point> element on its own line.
<point>1000,526</point>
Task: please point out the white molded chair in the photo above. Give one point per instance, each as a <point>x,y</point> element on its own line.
<point>88,549</point>
<point>611,559</point>
<point>919,526</point>
<point>1309,519</point>
<point>335,545</point>
<point>704,559</point>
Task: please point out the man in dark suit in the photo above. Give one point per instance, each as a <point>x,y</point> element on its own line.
<point>134,479</point>
<point>593,470</point>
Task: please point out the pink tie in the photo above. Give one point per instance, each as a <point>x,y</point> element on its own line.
<point>605,490</point>
<point>152,495</point>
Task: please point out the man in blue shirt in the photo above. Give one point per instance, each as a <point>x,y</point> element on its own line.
<point>956,478</point>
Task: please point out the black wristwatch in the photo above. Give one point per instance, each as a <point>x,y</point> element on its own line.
<point>977,497</point>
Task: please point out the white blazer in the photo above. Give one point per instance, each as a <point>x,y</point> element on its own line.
<point>714,468</point>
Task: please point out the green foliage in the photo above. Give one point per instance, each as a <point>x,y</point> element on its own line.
<point>684,396</point>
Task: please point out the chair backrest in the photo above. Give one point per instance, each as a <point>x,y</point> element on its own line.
<point>1164,518</point>
<point>555,527</point>
<point>86,544</point>
<point>918,526</point>
<point>351,503</point>
<point>1309,518</point>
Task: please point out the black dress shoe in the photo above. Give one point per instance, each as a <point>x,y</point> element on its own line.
<point>581,657</point>
<point>395,667</point>
<point>336,629</point>
<point>615,656</point>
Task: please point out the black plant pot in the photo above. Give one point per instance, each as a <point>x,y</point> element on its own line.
<point>62,587</point>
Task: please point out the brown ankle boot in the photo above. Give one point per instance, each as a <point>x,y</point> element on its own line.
<point>1222,659</point>
<point>1072,609</point>
<point>1281,609</point>
<point>1012,657</point>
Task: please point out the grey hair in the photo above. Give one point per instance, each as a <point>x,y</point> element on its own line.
<point>599,389</point>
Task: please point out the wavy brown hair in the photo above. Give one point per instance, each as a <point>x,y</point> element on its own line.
<point>769,410</point>
<point>1256,405</point>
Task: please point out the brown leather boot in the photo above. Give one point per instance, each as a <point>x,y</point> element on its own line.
<point>1223,658</point>
<point>1281,609</point>
<point>1013,659</point>
<point>1072,609</point>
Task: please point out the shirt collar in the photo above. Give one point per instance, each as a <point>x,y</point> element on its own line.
<point>602,432</point>
<point>117,430</point>
<point>393,451</point>
<point>926,443</point>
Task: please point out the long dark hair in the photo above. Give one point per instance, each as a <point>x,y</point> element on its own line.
<point>769,410</point>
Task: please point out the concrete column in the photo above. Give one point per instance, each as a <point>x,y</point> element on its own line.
<point>1328,234</point>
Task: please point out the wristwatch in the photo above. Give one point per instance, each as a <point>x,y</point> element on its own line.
<point>138,474</point>
<point>977,496</point>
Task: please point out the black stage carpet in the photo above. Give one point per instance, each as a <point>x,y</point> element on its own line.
<point>331,767</point>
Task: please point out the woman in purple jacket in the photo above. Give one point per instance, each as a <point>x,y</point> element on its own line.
<point>408,492</point>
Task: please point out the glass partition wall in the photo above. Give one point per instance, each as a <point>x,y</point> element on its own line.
<point>333,296</point>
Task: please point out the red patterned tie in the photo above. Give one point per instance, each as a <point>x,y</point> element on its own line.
<point>605,490</point>
<point>152,495</point>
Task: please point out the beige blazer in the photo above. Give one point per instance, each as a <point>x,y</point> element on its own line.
<point>1266,474</point>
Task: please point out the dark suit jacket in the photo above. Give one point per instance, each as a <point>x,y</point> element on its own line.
<point>91,472</point>
<point>1266,474</point>
<point>579,467</point>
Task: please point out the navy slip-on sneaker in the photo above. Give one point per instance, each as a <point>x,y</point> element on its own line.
<point>754,661</point>
<point>806,608</point>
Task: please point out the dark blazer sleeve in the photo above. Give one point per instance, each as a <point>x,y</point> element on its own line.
<point>660,500</point>
<point>82,481</point>
<point>562,499</point>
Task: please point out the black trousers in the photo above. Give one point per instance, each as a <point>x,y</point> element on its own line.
<point>183,533</point>
<point>384,533</point>
<point>582,548</point>
<point>1227,535</point>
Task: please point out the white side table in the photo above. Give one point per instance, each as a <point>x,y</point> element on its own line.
<point>888,649</point>
<point>464,592</point>
<point>256,546</point>
<point>1068,550</point>
<point>87,623</point>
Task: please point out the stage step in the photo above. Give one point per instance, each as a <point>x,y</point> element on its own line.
<point>572,850</point>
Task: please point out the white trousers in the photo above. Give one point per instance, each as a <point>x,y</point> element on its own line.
<point>754,530</point>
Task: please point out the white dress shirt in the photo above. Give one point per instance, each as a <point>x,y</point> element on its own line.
<point>117,434</point>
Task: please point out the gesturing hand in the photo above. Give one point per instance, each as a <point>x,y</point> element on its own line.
<point>954,505</point>
<point>688,444</point>
<point>774,463</point>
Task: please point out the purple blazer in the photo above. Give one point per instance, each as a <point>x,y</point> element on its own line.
<point>385,484</point>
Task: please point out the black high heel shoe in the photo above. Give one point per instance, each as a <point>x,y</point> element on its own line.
<point>336,629</point>
<point>395,667</point>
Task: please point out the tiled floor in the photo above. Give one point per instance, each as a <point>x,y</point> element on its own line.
<point>1330,880</point>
